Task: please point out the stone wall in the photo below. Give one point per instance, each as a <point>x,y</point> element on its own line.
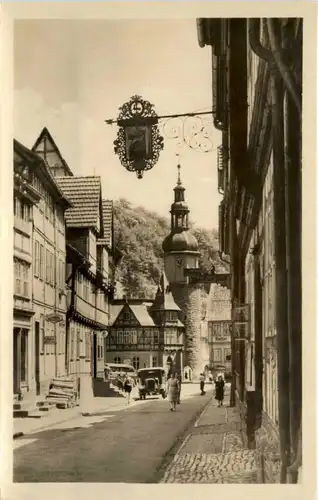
<point>188,298</point>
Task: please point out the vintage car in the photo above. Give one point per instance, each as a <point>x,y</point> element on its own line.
<point>115,373</point>
<point>152,381</point>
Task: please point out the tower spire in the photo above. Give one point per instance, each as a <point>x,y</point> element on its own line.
<point>179,175</point>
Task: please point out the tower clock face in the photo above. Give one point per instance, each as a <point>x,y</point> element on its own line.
<point>180,262</point>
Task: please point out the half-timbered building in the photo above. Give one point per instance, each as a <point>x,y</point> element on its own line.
<point>146,333</point>
<point>25,197</point>
<point>257,102</point>
<point>87,275</point>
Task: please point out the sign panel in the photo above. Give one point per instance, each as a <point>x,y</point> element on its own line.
<point>54,318</point>
<point>49,339</point>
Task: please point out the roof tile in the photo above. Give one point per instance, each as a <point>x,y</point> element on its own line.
<point>107,206</point>
<point>84,194</point>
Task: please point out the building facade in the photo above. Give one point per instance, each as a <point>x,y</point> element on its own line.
<point>146,333</point>
<point>40,275</point>
<point>220,328</point>
<point>90,262</point>
<point>25,198</point>
<point>181,255</point>
<point>88,278</point>
<point>257,107</point>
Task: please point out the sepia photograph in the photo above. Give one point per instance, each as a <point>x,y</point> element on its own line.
<point>157,250</point>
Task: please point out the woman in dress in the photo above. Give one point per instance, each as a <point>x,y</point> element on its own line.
<point>219,390</point>
<point>128,385</point>
<point>173,391</point>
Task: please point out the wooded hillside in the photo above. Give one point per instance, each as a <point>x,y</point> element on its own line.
<point>138,235</point>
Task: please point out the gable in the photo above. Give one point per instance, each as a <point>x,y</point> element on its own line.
<point>126,317</point>
<point>46,148</point>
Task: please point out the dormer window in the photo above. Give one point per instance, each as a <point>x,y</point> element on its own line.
<point>171,316</point>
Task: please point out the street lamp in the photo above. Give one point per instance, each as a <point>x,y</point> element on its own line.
<point>138,142</point>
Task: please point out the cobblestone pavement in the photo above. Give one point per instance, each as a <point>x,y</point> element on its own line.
<point>213,451</point>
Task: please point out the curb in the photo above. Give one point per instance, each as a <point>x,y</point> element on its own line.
<point>168,457</point>
<point>17,435</point>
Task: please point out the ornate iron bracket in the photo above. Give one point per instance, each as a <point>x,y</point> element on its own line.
<point>139,140</point>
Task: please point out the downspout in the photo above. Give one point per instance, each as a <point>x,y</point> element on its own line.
<point>293,243</point>
<point>277,92</point>
<point>69,316</point>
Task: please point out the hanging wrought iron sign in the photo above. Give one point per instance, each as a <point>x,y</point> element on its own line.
<point>139,140</point>
<point>139,143</point>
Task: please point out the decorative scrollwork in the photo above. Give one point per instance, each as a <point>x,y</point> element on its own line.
<point>139,151</point>
<point>136,107</point>
<point>193,131</point>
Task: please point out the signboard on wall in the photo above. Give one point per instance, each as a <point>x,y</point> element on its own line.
<point>49,339</point>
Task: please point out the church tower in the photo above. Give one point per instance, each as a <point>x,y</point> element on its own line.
<point>180,254</point>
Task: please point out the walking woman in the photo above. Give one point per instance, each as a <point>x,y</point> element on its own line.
<point>202,382</point>
<point>128,385</point>
<point>173,391</point>
<point>219,390</point>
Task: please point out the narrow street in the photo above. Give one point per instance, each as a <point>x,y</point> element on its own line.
<point>112,447</point>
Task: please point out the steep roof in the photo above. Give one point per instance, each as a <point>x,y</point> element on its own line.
<point>107,208</point>
<point>164,299</point>
<point>140,311</point>
<point>45,136</point>
<point>38,162</point>
<point>84,193</point>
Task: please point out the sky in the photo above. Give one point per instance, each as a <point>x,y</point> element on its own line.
<point>72,75</point>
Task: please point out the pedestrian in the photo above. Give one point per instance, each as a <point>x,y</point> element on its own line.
<point>128,385</point>
<point>219,390</point>
<point>202,382</point>
<point>179,390</point>
<point>173,391</point>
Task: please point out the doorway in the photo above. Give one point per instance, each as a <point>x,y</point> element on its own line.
<point>37,358</point>
<point>94,371</point>
<point>16,370</point>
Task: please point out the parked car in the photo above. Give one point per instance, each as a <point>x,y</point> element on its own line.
<point>152,381</point>
<point>115,372</point>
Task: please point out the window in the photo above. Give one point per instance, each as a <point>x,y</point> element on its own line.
<point>41,265</point>
<point>117,360</point>
<point>217,355</point>
<point>88,344</point>
<point>17,271</point>
<point>25,281</point>
<point>227,354</point>
<point>154,361</point>
<point>36,258</point>
<point>120,337</point>
<point>47,266</point>
<point>126,316</point>
<point>170,337</point>
<point>136,362</point>
<point>52,270</point>
<point>85,291</point>
<point>126,337</point>
<point>156,337</point>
